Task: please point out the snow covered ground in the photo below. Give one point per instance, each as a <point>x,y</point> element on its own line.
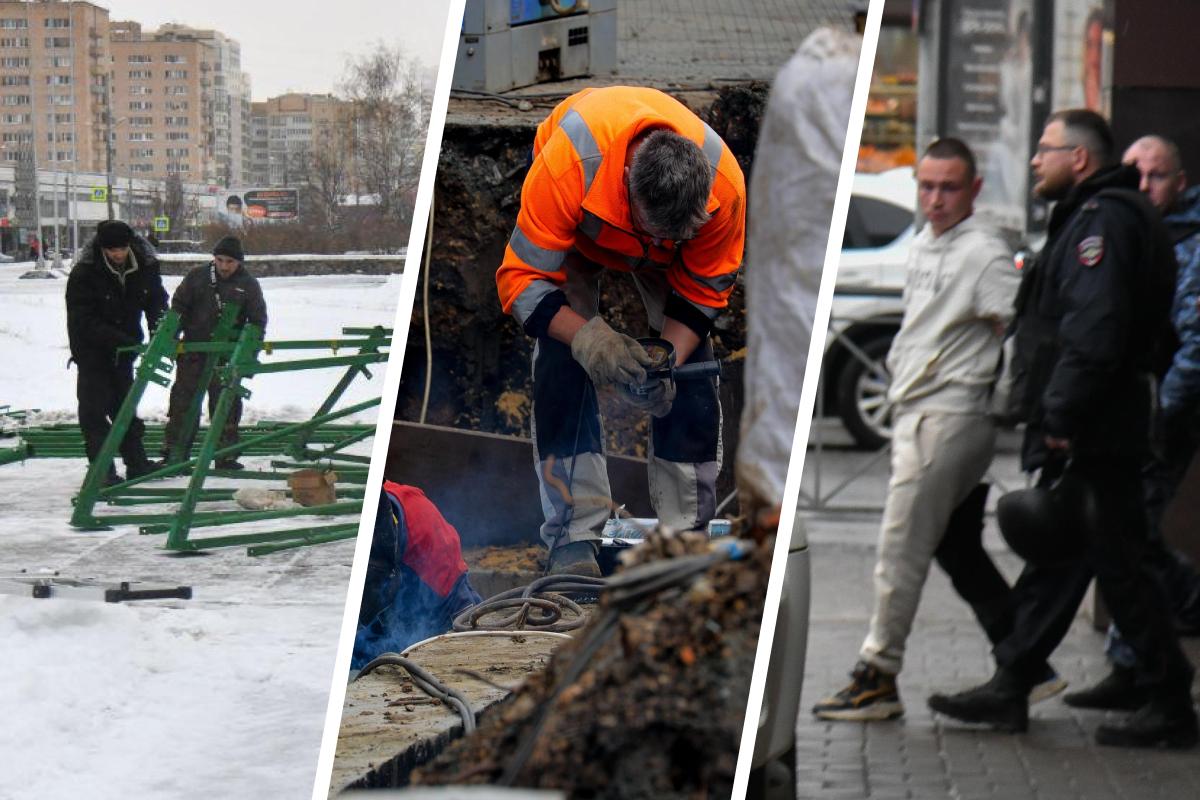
<point>223,695</point>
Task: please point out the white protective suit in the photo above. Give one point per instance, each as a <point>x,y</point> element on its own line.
<point>792,190</point>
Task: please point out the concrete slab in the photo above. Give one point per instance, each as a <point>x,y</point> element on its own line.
<point>389,726</point>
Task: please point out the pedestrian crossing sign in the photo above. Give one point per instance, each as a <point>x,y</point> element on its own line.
<point>162,224</point>
<point>99,194</point>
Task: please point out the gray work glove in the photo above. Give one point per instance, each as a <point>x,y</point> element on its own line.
<point>608,357</point>
<point>657,401</point>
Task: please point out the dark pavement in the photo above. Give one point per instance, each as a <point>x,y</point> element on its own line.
<point>920,756</point>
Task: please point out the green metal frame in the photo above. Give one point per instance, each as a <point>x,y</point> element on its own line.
<point>233,360</point>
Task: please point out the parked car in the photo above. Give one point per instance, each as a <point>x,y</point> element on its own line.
<point>867,306</point>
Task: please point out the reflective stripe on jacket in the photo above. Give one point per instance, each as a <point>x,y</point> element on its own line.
<point>574,197</point>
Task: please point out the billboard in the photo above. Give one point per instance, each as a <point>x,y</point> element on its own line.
<point>278,205</point>
<point>987,98</point>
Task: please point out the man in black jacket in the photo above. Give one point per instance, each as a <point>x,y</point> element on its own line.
<point>1090,315</point>
<point>114,282</point>
<point>199,301</point>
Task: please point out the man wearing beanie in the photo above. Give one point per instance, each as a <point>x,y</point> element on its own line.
<point>114,282</point>
<point>199,301</point>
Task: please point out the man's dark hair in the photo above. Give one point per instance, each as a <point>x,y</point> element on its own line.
<point>1085,128</point>
<point>233,200</point>
<point>949,147</point>
<point>670,180</point>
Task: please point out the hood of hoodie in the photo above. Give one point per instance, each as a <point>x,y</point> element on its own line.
<point>1183,219</point>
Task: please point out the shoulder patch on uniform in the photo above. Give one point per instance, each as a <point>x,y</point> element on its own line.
<point>1091,205</point>
<point>1091,251</point>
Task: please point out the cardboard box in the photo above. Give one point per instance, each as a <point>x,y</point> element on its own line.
<point>311,487</point>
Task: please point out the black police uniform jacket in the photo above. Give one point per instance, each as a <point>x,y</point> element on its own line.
<point>1092,313</point>
<point>202,294</point>
<point>104,312</point>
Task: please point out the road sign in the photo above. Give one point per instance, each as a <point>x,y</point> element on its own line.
<point>162,224</point>
<point>99,194</point>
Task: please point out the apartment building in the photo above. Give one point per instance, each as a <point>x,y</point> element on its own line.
<point>180,103</point>
<point>53,60</point>
<point>285,130</point>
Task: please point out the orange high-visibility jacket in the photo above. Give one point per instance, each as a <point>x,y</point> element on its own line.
<point>574,197</point>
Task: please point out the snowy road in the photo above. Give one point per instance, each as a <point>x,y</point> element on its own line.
<point>220,696</point>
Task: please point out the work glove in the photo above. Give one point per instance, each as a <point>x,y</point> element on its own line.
<point>608,357</point>
<point>657,401</point>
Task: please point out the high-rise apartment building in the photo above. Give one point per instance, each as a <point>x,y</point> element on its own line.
<point>53,60</point>
<point>285,131</point>
<point>180,102</point>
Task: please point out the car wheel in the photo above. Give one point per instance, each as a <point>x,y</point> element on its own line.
<point>862,394</point>
<point>774,780</point>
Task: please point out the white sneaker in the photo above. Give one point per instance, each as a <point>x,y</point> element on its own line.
<point>1051,684</point>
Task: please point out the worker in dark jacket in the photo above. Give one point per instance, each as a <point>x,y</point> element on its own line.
<point>114,283</point>
<point>416,578</point>
<point>1090,314</point>
<point>199,301</point>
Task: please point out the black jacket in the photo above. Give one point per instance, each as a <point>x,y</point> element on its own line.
<point>104,312</point>
<point>1091,313</point>
<point>196,301</point>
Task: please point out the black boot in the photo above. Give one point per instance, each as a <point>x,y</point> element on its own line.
<point>112,478</point>
<point>1002,702</point>
<point>136,468</point>
<point>1162,722</point>
<point>1117,692</point>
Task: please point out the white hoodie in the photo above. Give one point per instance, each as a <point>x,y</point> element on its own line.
<point>960,285</point>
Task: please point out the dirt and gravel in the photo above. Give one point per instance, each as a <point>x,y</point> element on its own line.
<point>656,712</point>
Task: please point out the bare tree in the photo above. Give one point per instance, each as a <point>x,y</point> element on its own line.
<point>173,203</point>
<point>389,115</point>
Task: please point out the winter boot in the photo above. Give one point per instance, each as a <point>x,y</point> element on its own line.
<point>1162,722</point>
<point>136,468</point>
<point>575,558</point>
<point>1117,692</point>
<point>1002,703</point>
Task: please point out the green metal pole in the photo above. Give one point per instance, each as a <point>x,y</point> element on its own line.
<point>245,353</point>
<point>154,365</point>
<point>222,333</point>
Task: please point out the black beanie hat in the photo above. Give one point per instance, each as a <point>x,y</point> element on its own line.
<point>113,233</point>
<point>230,246</point>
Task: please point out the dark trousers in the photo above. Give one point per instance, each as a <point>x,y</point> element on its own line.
<point>188,370</point>
<point>971,570</point>
<point>101,389</point>
<point>1048,598</point>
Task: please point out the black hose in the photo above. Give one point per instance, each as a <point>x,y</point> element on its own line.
<point>427,683</point>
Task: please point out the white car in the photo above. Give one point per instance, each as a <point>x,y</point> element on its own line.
<point>867,306</point>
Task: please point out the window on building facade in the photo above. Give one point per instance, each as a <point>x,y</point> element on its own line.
<point>57,42</point>
<point>13,24</point>
<point>177,136</point>
<point>14,100</point>
<point>177,90</point>
<point>14,41</point>
<point>58,80</point>
<point>57,22</point>
<point>21,137</point>
<point>62,100</point>
<point>140,89</point>
<point>142,152</point>
<point>141,136</point>
<point>58,62</point>
<point>140,74</point>
<point>61,118</point>
<point>139,58</point>
<point>175,122</point>
<point>176,105</point>
<point>14,80</point>
<point>141,122</point>
<point>140,105</point>
<point>141,167</point>
<point>175,74</point>
<point>14,62</point>
<point>16,119</point>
